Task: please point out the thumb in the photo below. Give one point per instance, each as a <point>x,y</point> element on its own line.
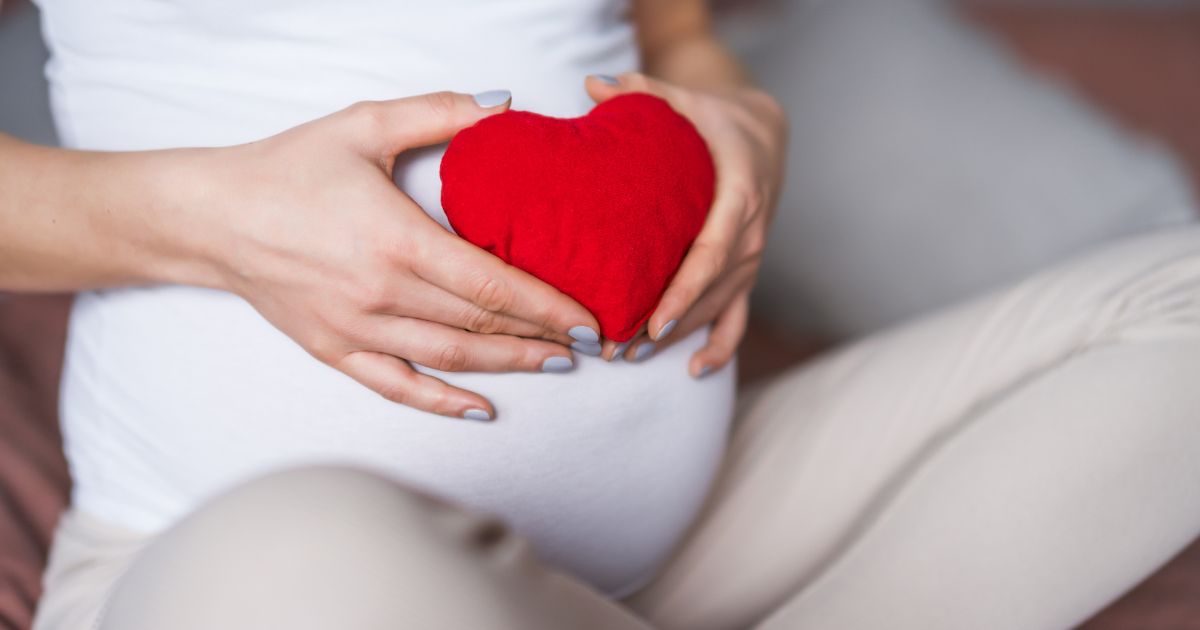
<point>602,87</point>
<point>418,121</point>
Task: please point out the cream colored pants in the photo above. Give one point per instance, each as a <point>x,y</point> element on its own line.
<point>1014,463</point>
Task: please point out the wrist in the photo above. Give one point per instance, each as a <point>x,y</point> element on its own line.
<point>72,220</point>
<point>183,212</point>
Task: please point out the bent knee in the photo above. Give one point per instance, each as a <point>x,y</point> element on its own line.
<point>328,534</point>
<point>1153,286</point>
<point>305,505</point>
<point>1137,288</point>
<point>327,514</point>
<point>305,489</point>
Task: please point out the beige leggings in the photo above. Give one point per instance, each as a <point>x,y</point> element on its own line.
<point>1016,462</point>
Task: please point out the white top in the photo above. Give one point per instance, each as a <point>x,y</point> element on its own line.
<point>170,394</point>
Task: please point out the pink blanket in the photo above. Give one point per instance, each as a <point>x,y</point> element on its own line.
<point>33,476</point>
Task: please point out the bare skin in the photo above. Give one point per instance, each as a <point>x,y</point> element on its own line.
<point>308,227</point>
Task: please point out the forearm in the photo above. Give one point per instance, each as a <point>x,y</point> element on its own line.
<point>698,62</point>
<point>678,45</point>
<point>72,220</point>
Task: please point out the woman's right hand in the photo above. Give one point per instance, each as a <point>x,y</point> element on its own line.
<point>313,233</point>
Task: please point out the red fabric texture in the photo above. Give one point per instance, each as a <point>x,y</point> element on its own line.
<point>603,207</point>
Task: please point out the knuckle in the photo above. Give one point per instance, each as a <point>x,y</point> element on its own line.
<point>372,296</point>
<point>755,245</point>
<point>441,104</point>
<point>542,312</point>
<point>637,81</point>
<point>526,355</point>
<point>746,194</point>
<point>396,391</point>
<point>764,110</point>
<point>490,294</point>
<point>483,321</point>
<point>450,357</point>
<point>714,260</point>
<point>387,246</point>
<point>367,116</point>
<point>324,348</point>
<point>775,111</point>
<point>327,337</point>
<point>687,100</point>
<point>755,199</point>
<point>767,103</point>
<point>357,109</point>
<point>442,401</point>
<point>716,354</point>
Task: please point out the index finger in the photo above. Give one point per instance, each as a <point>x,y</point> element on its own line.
<point>704,263</point>
<point>488,282</point>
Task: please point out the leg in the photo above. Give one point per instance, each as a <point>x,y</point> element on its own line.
<point>326,547</point>
<point>952,473</point>
<point>1047,507</point>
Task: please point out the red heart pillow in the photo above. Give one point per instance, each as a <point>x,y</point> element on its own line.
<point>602,207</point>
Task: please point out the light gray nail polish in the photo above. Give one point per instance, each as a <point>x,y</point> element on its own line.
<point>704,371</point>
<point>606,78</point>
<point>586,334</point>
<point>643,352</point>
<point>557,364</point>
<point>591,349</point>
<point>492,98</point>
<point>477,414</point>
<point>621,350</point>
<point>666,329</point>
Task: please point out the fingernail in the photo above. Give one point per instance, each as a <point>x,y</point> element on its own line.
<point>643,351</point>
<point>666,329</point>
<point>585,334</point>
<point>606,78</point>
<point>492,98</point>
<point>592,349</point>
<point>557,364</point>
<point>704,371</point>
<point>477,414</point>
<point>620,350</point>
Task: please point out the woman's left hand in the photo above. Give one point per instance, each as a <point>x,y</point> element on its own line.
<point>745,129</point>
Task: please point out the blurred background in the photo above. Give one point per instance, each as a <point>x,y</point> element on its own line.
<point>938,149</point>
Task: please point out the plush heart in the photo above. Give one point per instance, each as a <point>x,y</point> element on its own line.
<point>602,207</point>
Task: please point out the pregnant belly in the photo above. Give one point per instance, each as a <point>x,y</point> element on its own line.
<point>171,394</point>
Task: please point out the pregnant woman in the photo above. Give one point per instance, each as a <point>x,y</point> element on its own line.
<point>293,400</point>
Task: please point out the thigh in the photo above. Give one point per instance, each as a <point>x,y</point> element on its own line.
<point>333,547</point>
<point>1043,508</point>
<point>826,449</point>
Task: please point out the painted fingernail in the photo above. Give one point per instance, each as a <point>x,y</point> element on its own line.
<point>704,371</point>
<point>620,351</point>
<point>586,334</point>
<point>643,352</point>
<point>477,414</point>
<point>557,364</point>
<point>606,78</point>
<point>492,98</point>
<point>592,349</point>
<point>666,329</point>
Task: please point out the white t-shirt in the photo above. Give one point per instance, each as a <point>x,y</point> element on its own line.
<point>171,394</point>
